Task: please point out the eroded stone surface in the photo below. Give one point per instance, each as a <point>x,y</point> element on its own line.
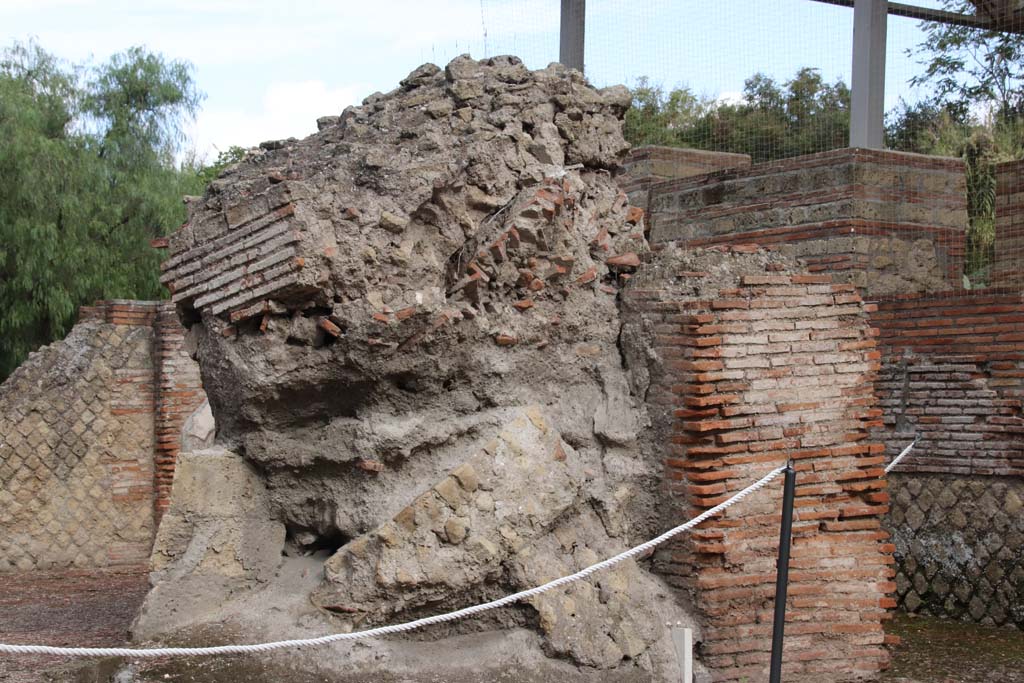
<point>199,430</point>
<point>515,514</point>
<point>217,537</point>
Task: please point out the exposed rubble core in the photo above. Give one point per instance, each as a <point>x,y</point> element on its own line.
<point>503,520</point>
<point>408,327</point>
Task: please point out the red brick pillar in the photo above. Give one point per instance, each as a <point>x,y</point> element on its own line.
<point>179,394</point>
<point>763,369</point>
<point>1008,269</point>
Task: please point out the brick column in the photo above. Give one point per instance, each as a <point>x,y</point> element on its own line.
<point>1008,269</point>
<point>180,393</point>
<point>776,367</point>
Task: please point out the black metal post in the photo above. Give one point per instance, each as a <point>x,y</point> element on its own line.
<point>782,574</point>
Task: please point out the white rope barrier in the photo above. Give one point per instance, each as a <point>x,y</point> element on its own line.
<point>906,451</point>
<point>395,628</point>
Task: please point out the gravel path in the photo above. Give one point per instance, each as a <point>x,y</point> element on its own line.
<point>942,651</point>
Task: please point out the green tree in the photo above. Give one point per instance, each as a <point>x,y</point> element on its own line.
<point>802,116</point>
<point>89,177</point>
<point>206,173</point>
<point>773,121</point>
<point>976,113</point>
<point>967,66</point>
<point>660,118</point>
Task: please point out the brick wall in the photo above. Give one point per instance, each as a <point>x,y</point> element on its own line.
<point>749,373</point>
<point>82,465</point>
<point>953,373</point>
<point>893,225</point>
<point>888,222</point>
<point>1008,269</point>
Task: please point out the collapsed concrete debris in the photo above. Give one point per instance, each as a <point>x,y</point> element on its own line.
<point>408,327</point>
<point>446,364</point>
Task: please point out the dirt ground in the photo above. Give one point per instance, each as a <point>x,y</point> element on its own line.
<point>943,651</point>
<point>64,608</point>
<point>96,609</point>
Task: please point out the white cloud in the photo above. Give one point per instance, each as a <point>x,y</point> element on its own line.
<point>730,97</point>
<point>271,68</point>
<point>287,110</point>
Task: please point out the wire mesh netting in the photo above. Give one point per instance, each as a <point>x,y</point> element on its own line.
<point>956,93</point>
<point>770,80</point>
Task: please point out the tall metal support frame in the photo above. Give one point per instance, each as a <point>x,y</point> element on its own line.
<point>867,97</point>
<point>571,33</point>
<point>899,9</point>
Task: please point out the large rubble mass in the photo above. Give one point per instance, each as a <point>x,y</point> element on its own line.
<point>408,328</point>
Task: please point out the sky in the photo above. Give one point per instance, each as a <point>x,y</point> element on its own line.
<point>269,68</point>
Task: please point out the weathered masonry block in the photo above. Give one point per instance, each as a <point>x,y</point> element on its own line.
<point>645,166</point>
<point>753,366</point>
<point>85,465</point>
<point>953,375</point>
<point>888,222</point>
<point>1008,270</point>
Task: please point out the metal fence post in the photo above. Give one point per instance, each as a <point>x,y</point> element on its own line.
<point>782,574</point>
<point>572,28</point>
<point>682,638</point>
<point>867,96</point>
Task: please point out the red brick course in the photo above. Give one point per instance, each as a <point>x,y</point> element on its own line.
<point>179,394</point>
<point>1008,269</point>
